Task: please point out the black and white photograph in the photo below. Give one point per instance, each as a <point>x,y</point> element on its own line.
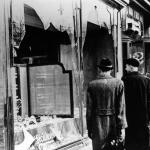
<point>75,74</point>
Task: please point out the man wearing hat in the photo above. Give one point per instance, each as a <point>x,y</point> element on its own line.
<point>137,97</point>
<point>105,113</point>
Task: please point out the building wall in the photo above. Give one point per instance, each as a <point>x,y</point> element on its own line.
<point>132,19</point>
<point>133,28</point>
<point>5,98</point>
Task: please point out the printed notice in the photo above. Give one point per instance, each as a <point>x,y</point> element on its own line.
<point>49,90</point>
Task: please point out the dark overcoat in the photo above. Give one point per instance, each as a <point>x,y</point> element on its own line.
<point>137,96</point>
<point>105,110</point>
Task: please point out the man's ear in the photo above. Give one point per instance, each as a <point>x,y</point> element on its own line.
<point>111,70</point>
<point>98,69</point>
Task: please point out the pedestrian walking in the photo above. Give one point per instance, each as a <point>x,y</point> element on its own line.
<point>137,96</point>
<point>105,113</point>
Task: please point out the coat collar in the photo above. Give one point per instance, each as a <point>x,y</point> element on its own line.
<point>102,76</point>
<point>133,73</point>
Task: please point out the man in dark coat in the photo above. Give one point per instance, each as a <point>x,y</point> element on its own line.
<point>137,96</point>
<point>105,107</point>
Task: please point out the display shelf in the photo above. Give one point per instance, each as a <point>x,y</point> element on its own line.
<point>51,134</point>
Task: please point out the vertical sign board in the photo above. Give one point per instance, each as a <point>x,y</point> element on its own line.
<point>50,90</point>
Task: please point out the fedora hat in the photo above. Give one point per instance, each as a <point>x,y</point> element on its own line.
<point>105,63</point>
<point>133,62</point>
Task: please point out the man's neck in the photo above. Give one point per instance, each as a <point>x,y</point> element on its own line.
<point>106,73</point>
<point>135,69</point>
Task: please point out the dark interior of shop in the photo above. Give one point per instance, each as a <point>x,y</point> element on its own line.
<point>43,46</point>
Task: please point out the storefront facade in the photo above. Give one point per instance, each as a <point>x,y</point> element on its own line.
<point>48,58</point>
<point>46,74</point>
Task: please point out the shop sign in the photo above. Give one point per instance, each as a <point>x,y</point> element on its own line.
<point>139,56</point>
<point>137,51</point>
